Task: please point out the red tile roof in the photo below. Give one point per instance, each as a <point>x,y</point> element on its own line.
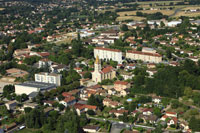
<point>107,69</point>
<point>108,49</point>
<point>121,82</point>
<point>66,94</point>
<point>119,111</point>
<point>144,53</point>
<point>173,113</point>
<point>69,99</point>
<point>43,54</point>
<point>83,106</point>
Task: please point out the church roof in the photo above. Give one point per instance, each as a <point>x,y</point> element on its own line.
<point>107,69</point>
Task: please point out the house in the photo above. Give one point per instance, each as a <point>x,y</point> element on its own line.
<point>91,128</point>
<point>124,92</point>
<point>172,121</point>
<point>80,108</point>
<point>78,69</point>
<point>30,105</point>
<point>156,99</point>
<point>164,117</point>
<point>45,63</point>
<point>68,101</point>
<point>121,85</point>
<point>147,111</point>
<point>171,114</point>
<point>112,91</point>
<point>184,126</point>
<point>11,105</point>
<point>126,75</point>
<point>57,68</point>
<point>49,103</point>
<point>148,118</point>
<point>130,66</point>
<point>134,113</point>
<point>109,103</point>
<point>118,112</point>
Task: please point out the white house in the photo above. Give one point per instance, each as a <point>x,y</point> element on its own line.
<point>11,105</point>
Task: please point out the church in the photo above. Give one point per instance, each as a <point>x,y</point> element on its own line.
<point>100,74</point>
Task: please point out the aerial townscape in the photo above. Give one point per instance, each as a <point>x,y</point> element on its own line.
<point>99,66</point>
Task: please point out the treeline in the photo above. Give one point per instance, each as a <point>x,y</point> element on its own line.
<point>154,16</point>
<point>69,122</point>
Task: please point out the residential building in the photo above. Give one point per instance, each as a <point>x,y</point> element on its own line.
<point>118,112</point>
<point>124,92</point>
<point>11,105</point>
<point>45,63</point>
<point>80,108</point>
<point>91,129</point>
<point>121,85</point>
<point>108,54</point>
<point>101,74</point>
<point>31,86</point>
<point>144,56</point>
<point>45,77</point>
<point>156,99</point>
<point>68,101</point>
<point>171,114</point>
<point>109,103</point>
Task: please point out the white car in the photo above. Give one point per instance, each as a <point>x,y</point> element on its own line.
<point>21,127</point>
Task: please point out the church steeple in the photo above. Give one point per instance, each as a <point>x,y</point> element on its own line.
<point>97,64</point>
<point>97,60</point>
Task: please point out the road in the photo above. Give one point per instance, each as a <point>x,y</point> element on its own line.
<point>117,126</point>
<point>13,130</point>
<point>176,11</point>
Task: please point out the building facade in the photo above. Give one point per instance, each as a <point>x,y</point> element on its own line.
<point>108,54</point>
<point>144,56</point>
<point>100,74</point>
<point>48,78</point>
<point>31,86</point>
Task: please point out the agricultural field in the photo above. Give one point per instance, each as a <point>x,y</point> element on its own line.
<point>136,18</point>
<point>128,13</point>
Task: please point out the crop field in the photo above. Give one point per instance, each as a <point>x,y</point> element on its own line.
<point>136,18</point>
<point>128,13</point>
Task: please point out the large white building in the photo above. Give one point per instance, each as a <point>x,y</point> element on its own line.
<point>29,87</point>
<point>48,78</point>
<point>144,56</point>
<point>108,54</point>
